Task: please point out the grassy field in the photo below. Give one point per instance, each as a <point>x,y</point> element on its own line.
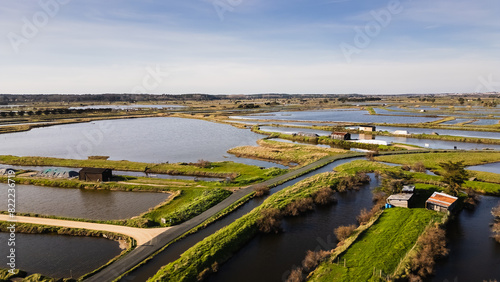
<point>189,205</point>
<point>486,185</point>
<point>431,161</point>
<point>284,153</point>
<point>381,247</point>
<point>241,174</point>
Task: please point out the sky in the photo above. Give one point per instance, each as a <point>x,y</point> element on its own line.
<point>249,46</point>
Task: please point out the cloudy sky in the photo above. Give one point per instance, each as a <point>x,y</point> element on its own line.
<point>249,46</point>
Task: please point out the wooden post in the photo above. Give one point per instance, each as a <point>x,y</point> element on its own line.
<point>344,262</point>
<point>381,273</point>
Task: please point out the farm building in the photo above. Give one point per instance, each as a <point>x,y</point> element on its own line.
<point>367,128</point>
<point>5,171</point>
<point>401,132</point>
<point>375,142</point>
<point>57,173</point>
<point>95,174</point>
<point>408,189</point>
<point>340,135</point>
<point>441,202</point>
<point>402,200</point>
<point>306,134</point>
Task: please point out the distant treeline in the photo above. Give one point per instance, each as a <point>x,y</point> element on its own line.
<point>6,99</point>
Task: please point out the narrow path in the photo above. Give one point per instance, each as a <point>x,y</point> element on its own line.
<point>141,235</point>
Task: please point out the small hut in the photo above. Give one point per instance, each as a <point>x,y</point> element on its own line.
<point>341,135</point>
<point>95,174</point>
<point>402,200</point>
<point>367,128</point>
<point>441,202</point>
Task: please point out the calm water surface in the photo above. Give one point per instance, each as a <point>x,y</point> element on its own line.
<point>143,140</point>
<point>81,203</point>
<point>59,256</point>
<point>492,167</point>
<point>337,115</point>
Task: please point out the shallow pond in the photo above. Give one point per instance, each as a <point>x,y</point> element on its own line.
<point>491,167</point>
<point>81,203</point>
<point>337,116</point>
<point>155,140</point>
<point>59,256</point>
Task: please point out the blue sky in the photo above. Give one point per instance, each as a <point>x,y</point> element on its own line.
<point>249,46</point>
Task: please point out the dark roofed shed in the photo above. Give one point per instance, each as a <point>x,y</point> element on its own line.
<point>95,174</point>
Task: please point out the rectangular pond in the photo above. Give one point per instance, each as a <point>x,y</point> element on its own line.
<point>81,203</point>
<point>59,256</point>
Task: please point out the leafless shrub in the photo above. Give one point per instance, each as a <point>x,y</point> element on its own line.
<point>364,216</point>
<point>433,245</point>
<point>270,220</point>
<point>496,231</point>
<point>98,157</point>
<point>323,196</point>
<point>379,198</point>
<point>406,167</point>
<point>496,212</point>
<point>419,167</point>
<point>343,232</point>
<point>370,156</point>
<point>296,275</point>
<point>312,259</point>
<point>202,164</point>
<point>261,190</point>
<point>202,275</point>
<point>215,267</point>
<point>299,206</point>
<point>352,181</point>
<point>472,199</point>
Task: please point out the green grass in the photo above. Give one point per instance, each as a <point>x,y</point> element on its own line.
<point>188,205</point>
<point>380,247</point>
<point>242,174</point>
<point>432,160</point>
<point>284,153</point>
<point>486,176</point>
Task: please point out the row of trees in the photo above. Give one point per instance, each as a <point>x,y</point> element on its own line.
<point>60,111</point>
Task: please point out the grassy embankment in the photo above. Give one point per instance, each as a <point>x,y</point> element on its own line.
<point>326,140</point>
<point>431,161</point>
<point>284,153</point>
<point>240,174</point>
<point>26,228</point>
<point>192,198</point>
<point>218,247</point>
<point>380,249</point>
<point>425,182</point>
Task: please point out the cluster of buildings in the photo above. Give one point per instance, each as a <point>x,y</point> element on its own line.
<point>438,201</point>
